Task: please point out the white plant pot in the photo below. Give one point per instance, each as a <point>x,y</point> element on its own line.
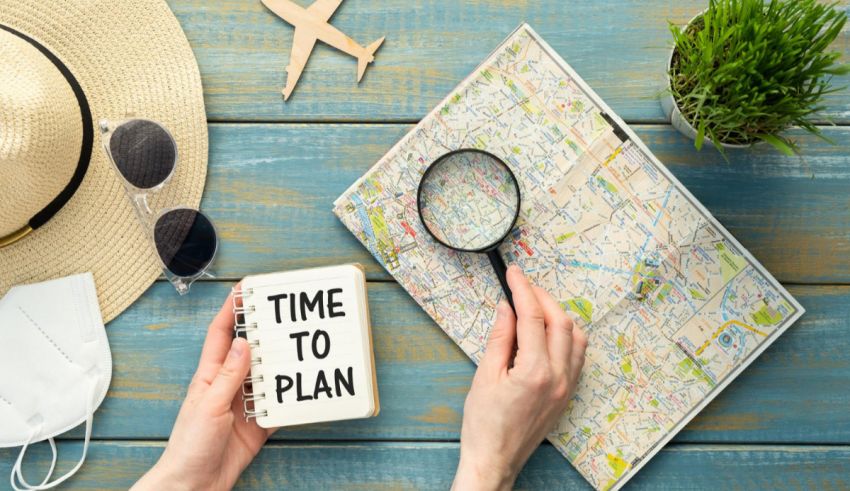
<point>671,109</point>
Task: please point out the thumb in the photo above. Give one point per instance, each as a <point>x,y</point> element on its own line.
<point>502,340</point>
<point>230,376</point>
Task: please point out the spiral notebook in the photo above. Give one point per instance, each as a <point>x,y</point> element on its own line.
<point>311,346</point>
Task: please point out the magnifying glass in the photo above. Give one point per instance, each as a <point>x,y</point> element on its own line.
<point>469,201</point>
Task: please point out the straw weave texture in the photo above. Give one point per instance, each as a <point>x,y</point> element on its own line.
<point>41,132</point>
<point>132,60</point>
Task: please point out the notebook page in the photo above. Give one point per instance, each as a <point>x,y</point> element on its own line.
<point>313,346</point>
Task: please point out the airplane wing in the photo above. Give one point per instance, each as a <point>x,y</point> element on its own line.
<point>324,9</point>
<point>302,46</point>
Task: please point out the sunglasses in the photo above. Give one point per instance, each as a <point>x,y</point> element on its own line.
<point>144,154</point>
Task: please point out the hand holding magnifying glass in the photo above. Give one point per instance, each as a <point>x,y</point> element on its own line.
<point>469,201</point>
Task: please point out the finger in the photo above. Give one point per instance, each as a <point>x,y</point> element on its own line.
<point>577,354</point>
<point>502,339</point>
<point>530,329</point>
<point>559,331</point>
<point>217,343</point>
<point>229,378</point>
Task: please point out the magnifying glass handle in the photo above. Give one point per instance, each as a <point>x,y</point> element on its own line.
<point>501,272</point>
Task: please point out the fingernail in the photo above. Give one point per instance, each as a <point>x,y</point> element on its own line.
<point>236,348</point>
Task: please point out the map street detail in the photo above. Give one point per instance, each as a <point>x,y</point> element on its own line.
<point>674,307</point>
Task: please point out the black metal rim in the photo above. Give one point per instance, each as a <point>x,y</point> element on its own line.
<point>443,158</point>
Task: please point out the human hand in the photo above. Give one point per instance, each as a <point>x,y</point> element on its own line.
<point>512,407</point>
<point>211,443</point>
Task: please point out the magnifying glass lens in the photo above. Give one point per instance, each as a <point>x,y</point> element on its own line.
<point>468,200</point>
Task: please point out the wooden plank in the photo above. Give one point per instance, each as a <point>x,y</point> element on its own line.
<point>620,47</point>
<point>271,188</point>
<point>386,466</point>
<point>791,394</point>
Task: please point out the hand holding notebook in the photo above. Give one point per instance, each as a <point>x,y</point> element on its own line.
<point>311,346</point>
<point>324,371</point>
<point>211,443</point>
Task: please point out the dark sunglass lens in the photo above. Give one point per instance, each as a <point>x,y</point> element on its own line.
<point>144,153</point>
<point>186,241</point>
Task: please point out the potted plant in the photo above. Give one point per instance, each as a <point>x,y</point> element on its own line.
<point>744,71</point>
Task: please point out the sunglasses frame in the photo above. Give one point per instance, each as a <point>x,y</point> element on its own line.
<point>147,218</point>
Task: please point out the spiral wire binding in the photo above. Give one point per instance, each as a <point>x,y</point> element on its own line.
<point>241,329</point>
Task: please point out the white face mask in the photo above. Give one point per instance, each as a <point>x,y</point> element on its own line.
<point>55,366</point>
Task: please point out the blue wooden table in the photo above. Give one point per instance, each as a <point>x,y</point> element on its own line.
<point>275,168</point>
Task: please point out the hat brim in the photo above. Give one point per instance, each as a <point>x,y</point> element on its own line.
<point>131,59</point>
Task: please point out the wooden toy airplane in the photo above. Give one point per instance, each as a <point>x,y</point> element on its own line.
<point>311,24</point>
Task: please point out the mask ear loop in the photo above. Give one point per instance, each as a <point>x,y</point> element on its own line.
<point>16,470</point>
<point>19,461</point>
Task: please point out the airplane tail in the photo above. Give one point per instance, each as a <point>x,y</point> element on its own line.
<point>367,58</point>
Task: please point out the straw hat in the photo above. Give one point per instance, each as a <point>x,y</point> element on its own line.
<point>65,66</point>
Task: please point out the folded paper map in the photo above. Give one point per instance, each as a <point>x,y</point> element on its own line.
<point>674,307</point>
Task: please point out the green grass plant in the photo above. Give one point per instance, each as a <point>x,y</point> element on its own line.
<point>746,70</point>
